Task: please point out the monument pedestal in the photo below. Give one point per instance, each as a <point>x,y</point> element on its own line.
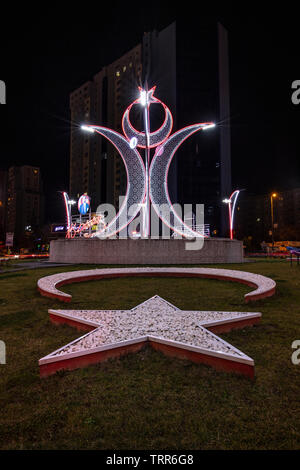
<point>145,251</point>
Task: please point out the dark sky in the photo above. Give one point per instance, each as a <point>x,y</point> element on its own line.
<point>44,59</point>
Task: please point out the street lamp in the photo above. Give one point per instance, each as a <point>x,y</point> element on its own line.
<point>68,205</point>
<point>273,195</point>
<point>88,129</point>
<point>145,100</point>
<point>231,208</point>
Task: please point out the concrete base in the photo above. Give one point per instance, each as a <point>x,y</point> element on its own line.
<point>141,252</point>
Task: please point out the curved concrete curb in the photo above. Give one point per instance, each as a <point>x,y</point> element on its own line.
<point>265,287</point>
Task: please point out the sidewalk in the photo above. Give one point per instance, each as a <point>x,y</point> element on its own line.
<point>24,265</point>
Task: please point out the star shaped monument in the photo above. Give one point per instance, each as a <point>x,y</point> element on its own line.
<point>185,334</point>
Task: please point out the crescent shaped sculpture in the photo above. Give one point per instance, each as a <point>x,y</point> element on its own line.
<point>155,138</point>
<point>159,170</point>
<point>144,185</point>
<point>136,183</point>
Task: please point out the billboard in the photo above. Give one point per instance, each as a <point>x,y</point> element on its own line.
<point>9,239</point>
<point>84,204</point>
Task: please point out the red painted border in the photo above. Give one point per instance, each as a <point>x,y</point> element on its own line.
<point>88,359</point>
<point>237,325</point>
<point>62,298</point>
<point>58,320</point>
<point>95,358</point>
<point>264,295</point>
<point>199,358</point>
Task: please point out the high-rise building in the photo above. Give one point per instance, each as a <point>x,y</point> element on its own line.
<point>24,201</point>
<point>84,161</point>
<point>95,166</point>
<point>191,72</point>
<point>3,198</point>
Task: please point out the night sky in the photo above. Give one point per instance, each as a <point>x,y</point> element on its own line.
<point>43,61</point>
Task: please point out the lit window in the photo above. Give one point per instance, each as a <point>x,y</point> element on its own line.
<point>124,68</point>
<point>118,73</point>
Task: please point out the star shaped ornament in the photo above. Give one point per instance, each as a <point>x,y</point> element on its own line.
<point>184,334</point>
<point>147,96</point>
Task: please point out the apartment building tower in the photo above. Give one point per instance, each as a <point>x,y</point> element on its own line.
<point>95,166</point>
<point>25,203</point>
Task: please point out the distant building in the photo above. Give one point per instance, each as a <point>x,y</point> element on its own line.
<point>24,214</point>
<point>253,216</point>
<point>191,71</point>
<point>3,199</point>
<point>288,214</point>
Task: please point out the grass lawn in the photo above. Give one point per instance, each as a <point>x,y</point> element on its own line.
<point>146,400</point>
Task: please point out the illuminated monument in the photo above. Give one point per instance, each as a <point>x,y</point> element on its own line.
<point>147,185</point>
<point>147,181</point>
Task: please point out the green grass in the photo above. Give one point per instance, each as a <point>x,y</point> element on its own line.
<point>146,400</point>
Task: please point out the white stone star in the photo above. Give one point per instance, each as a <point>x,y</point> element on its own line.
<point>155,321</point>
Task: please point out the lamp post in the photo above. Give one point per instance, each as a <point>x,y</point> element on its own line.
<point>273,195</point>
<point>231,208</point>
<point>145,102</point>
<point>68,206</point>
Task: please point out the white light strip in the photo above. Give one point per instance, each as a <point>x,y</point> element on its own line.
<point>209,126</point>
<point>88,129</point>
